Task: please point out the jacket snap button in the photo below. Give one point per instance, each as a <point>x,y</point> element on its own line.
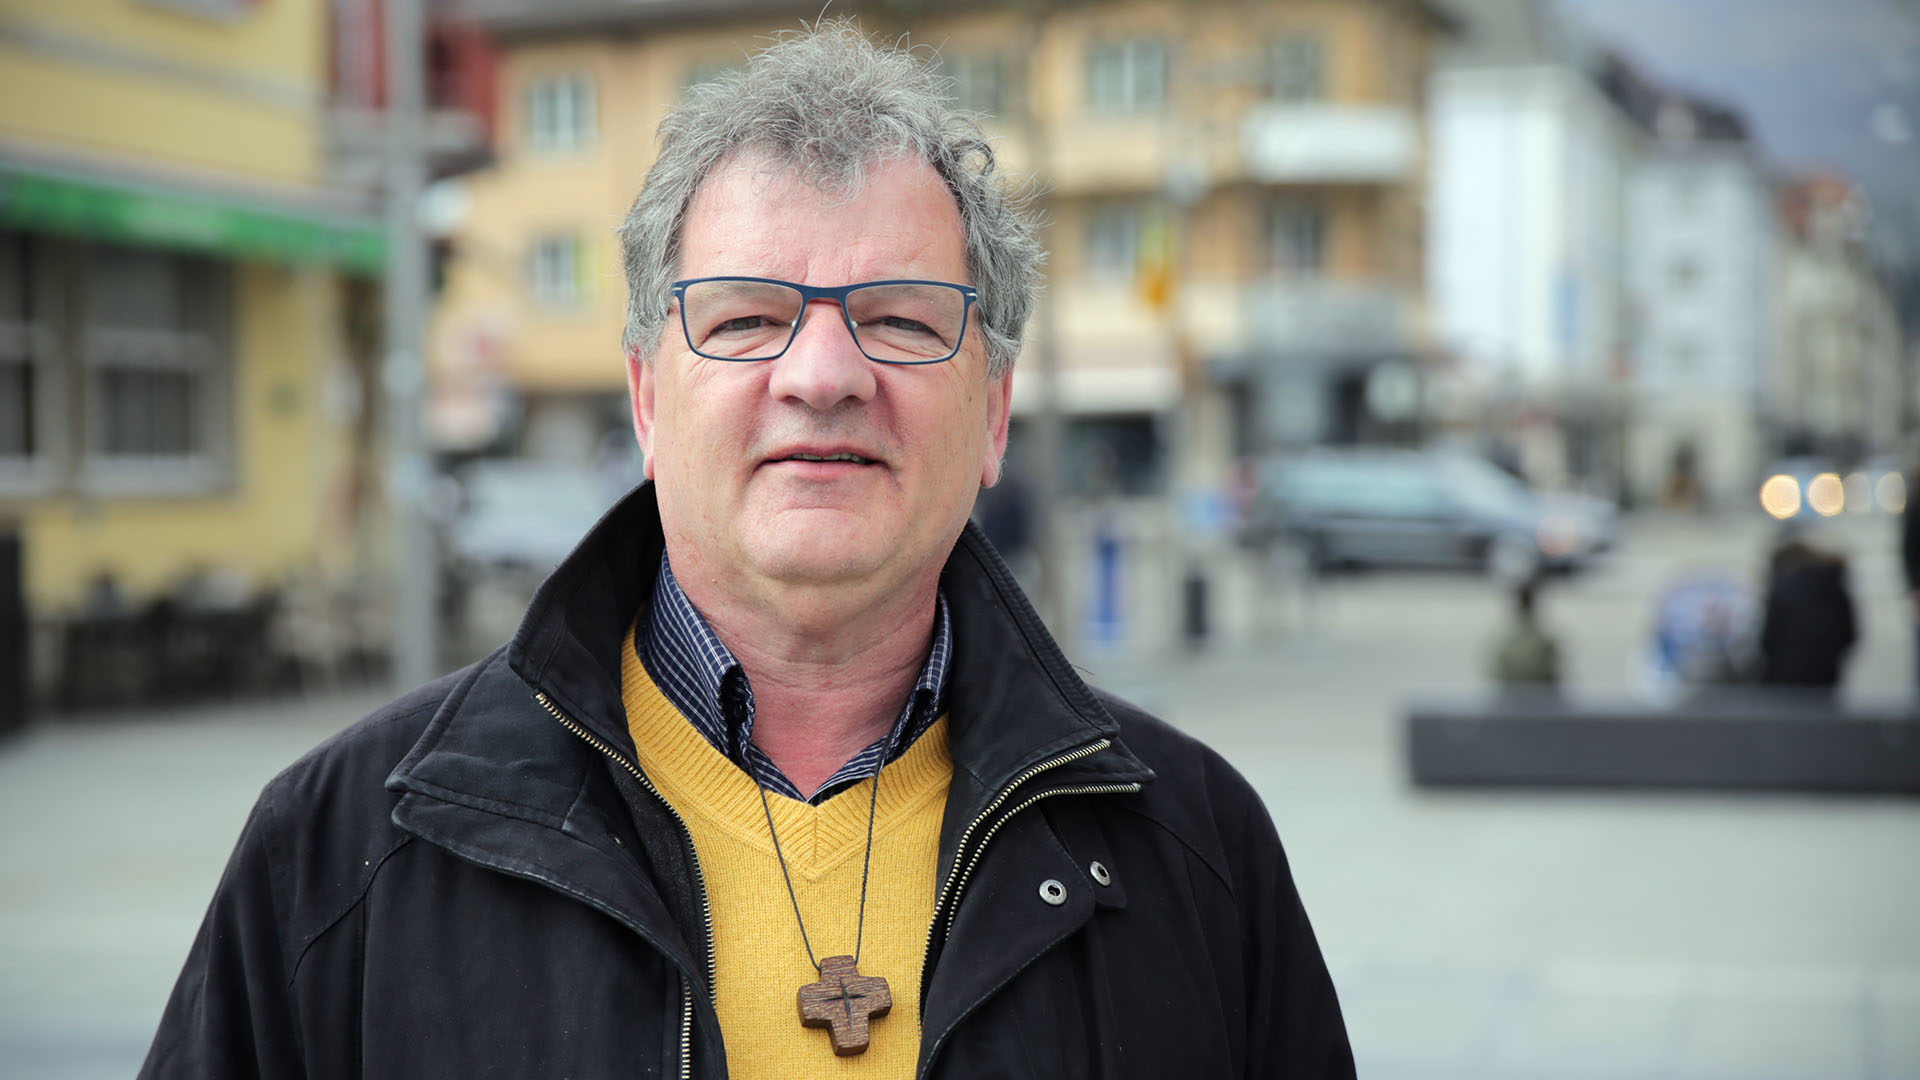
<point>1099,871</point>
<point>1053,892</point>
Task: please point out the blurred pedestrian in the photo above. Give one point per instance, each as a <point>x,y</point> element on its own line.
<point>1808,625</point>
<point>1526,655</point>
<point>1005,514</point>
<point>1910,559</point>
<point>1705,627</point>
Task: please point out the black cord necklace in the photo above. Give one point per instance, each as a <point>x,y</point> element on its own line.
<point>843,1001</point>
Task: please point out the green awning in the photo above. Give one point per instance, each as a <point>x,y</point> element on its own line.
<point>150,215</point>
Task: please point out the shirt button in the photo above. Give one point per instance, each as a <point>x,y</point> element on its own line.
<point>1053,892</point>
<point>1099,871</point>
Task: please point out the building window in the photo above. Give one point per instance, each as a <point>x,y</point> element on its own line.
<point>706,72</point>
<point>979,81</point>
<point>557,271</point>
<point>155,368</point>
<point>1112,455</point>
<point>1296,68</point>
<point>1113,242</point>
<point>1127,76</point>
<point>24,374</point>
<point>1684,359</point>
<point>560,113</point>
<point>1296,238</point>
<point>19,385</point>
<point>1684,273</point>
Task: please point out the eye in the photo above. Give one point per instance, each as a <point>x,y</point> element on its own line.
<point>898,322</point>
<point>747,322</point>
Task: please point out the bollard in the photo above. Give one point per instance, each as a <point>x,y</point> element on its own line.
<point>1194,608</point>
<point>13,633</point>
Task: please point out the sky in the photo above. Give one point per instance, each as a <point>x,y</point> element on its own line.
<point>1821,83</point>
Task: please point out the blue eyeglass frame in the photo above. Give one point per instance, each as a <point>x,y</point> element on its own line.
<point>838,294</point>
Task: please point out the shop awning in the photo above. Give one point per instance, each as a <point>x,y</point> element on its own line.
<point>157,214</point>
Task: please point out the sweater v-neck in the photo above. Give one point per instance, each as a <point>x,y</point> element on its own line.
<point>696,778</point>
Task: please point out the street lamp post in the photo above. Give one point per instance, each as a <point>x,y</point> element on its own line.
<point>403,372</point>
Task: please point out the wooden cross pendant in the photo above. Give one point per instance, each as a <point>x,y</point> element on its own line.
<point>842,1002</point>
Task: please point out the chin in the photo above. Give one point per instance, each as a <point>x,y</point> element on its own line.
<point>818,555</point>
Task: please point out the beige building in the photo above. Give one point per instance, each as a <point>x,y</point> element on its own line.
<point>186,303</point>
<point>1233,203</point>
<point>1233,194</point>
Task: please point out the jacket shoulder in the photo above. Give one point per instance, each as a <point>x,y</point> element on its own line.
<point>1196,795</point>
<point>326,820</point>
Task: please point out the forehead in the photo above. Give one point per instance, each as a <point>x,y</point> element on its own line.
<point>755,218</point>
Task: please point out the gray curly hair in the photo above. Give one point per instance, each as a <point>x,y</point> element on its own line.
<point>830,102</point>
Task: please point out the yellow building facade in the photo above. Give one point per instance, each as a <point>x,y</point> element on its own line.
<point>185,330</point>
<point>1231,189</point>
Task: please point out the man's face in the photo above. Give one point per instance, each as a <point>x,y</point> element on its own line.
<point>720,436</point>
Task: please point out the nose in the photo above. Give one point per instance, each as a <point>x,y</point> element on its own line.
<point>823,367</point>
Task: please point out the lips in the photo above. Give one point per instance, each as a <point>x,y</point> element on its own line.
<point>851,459</point>
<point>824,455</point>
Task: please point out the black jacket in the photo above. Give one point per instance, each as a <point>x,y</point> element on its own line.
<point>1808,626</point>
<point>476,882</point>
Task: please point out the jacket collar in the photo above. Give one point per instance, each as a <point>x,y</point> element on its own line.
<point>1014,701</point>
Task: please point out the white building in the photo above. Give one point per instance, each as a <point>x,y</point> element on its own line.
<point>1701,251</point>
<point>1836,388</point>
<point>1530,149</point>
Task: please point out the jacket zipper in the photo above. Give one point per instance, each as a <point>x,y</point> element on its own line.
<point>1091,789</point>
<point>957,878</point>
<point>706,906</point>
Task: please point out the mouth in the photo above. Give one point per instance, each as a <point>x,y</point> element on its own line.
<point>849,459</point>
<point>823,461</point>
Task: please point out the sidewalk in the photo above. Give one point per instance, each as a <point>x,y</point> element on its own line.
<point>1486,936</point>
<point>116,830</point>
<point>1526,936</point>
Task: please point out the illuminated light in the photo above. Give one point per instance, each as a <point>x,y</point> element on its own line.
<point>1780,496</point>
<point>1556,537</point>
<point>1826,494</point>
<point>1859,493</point>
<point>1891,493</point>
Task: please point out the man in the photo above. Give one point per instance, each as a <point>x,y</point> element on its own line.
<point>1526,657</point>
<point>780,776</point>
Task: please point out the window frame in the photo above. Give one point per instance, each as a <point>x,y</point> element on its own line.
<point>578,292</point>
<point>1276,65</point>
<point>540,103</point>
<point>970,72</point>
<point>1132,216</point>
<point>204,347</point>
<point>1127,98</point>
<point>35,335</point>
<point>1276,215</point>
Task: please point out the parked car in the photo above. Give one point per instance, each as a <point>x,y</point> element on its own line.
<point>522,517</point>
<point>1424,508</point>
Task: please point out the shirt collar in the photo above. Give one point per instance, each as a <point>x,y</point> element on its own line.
<point>704,680</point>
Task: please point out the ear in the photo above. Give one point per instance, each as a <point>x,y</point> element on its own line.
<point>999,412</point>
<point>640,390</point>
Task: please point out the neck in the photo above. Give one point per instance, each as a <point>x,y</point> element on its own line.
<point>830,669</point>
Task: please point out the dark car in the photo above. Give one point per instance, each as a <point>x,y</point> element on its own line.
<point>1423,508</point>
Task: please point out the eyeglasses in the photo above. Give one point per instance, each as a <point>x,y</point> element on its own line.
<point>893,322</point>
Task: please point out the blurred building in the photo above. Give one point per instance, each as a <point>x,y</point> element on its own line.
<point>1233,196</point>
<point>1534,132</point>
<point>1837,383</point>
<point>1700,276</point>
<point>184,300</point>
<point>189,304</point>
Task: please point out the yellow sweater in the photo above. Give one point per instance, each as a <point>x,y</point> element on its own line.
<point>759,962</point>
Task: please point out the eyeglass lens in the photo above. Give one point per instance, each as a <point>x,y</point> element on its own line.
<point>752,320</point>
